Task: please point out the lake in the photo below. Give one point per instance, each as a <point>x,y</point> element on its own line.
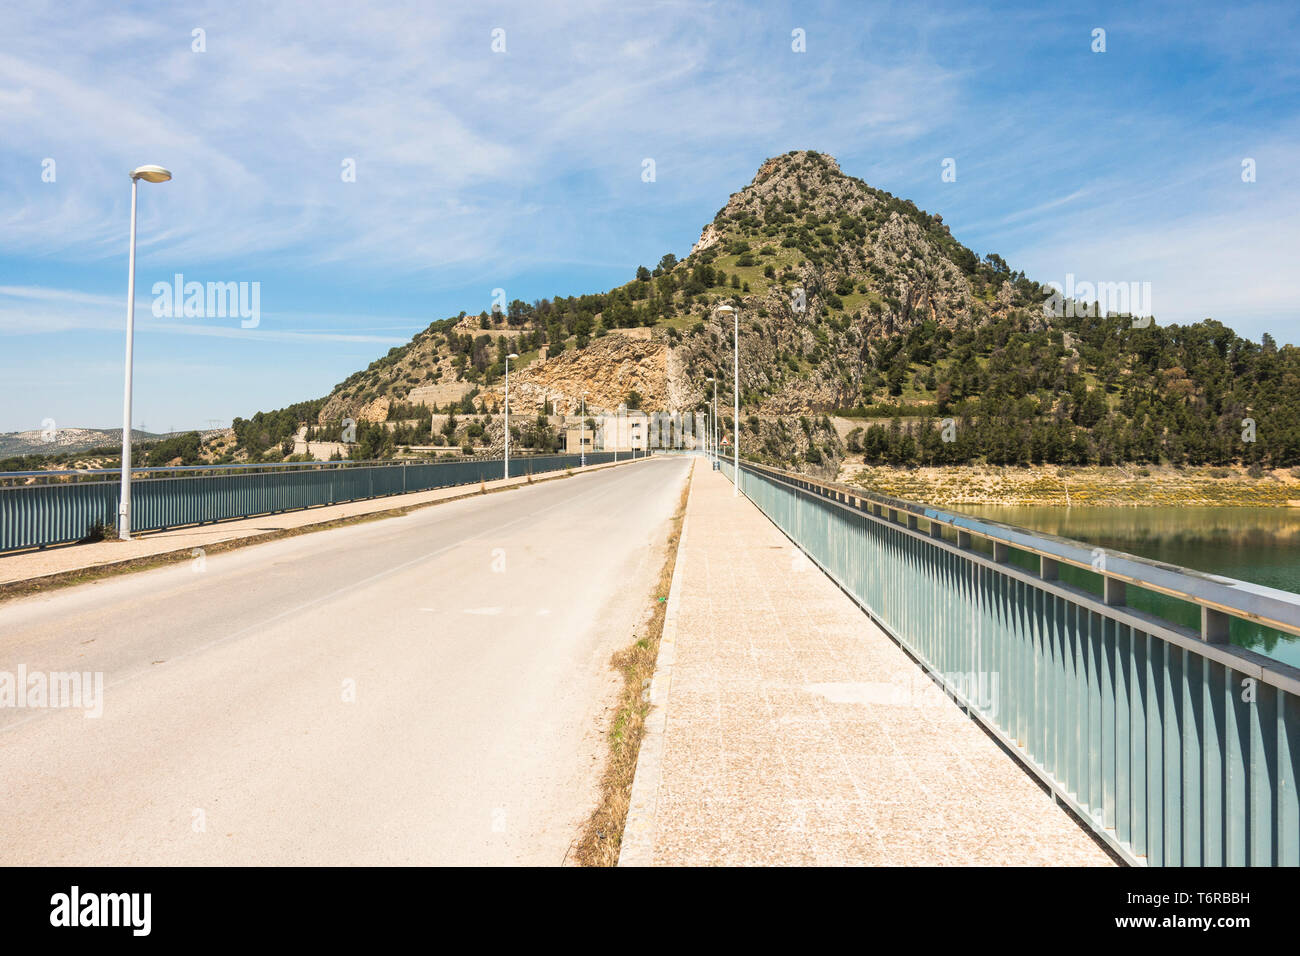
<point>1260,545</point>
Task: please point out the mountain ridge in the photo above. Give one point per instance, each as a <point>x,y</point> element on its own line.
<point>850,298</point>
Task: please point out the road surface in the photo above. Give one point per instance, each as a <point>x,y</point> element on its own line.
<point>428,689</point>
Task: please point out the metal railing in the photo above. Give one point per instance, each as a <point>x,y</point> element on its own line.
<point>38,515</point>
<point>1174,745</point>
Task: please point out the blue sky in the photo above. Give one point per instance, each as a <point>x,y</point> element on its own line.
<point>522,169</point>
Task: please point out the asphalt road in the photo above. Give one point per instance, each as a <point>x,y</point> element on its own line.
<point>429,689</point>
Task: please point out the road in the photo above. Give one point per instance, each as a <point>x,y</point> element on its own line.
<point>428,689</point>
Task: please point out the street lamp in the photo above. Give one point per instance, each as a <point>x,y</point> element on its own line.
<point>150,174</point>
<point>582,434</point>
<point>713,429</point>
<point>735,424</point>
<point>715,421</point>
<point>505,414</point>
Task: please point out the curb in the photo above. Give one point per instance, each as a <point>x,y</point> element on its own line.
<point>638,830</point>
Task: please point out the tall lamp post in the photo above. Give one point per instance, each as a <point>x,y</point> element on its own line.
<point>505,424</point>
<point>582,434</point>
<point>618,431</point>
<point>150,174</point>
<point>735,389</point>
<point>713,423</point>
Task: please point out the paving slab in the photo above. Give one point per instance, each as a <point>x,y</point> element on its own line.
<point>788,729</point>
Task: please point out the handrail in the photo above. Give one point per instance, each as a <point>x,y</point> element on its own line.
<point>1175,747</point>
<point>39,514</point>
<point>1271,607</point>
<point>268,466</point>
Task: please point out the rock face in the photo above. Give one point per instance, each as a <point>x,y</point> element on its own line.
<point>844,268</point>
<point>825,270</point>
<point>607,370</point>
<point>708,237</point>
<point>442,394</point>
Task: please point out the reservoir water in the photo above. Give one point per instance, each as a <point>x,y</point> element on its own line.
<point>1260,545</point>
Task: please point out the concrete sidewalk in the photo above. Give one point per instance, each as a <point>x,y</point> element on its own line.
<point>64,559</point>
<point>789,729</point>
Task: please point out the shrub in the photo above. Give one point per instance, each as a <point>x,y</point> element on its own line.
<point>104,530</point>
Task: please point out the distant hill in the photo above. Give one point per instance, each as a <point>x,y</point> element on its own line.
<point>57,441</point>
<point>70,441</point>
<point>853,302</point>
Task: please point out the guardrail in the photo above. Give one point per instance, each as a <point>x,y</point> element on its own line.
<point>38,515</point>
<point>52,474</point>
<point>1175,746</point>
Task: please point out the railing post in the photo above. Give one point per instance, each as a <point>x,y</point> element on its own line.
<point>1001,552</point>
<point>1049,569</point>
<point>963,539</point>
<point>936,529</point>
<point>1114,591</point>
<point>1214,626</point>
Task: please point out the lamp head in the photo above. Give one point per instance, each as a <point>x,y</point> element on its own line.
<point>151,174</point>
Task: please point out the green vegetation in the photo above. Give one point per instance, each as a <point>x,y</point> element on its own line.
<point>1014,393</point>
<point>944,355</point>
<point>185,447</point>
<point>265,430</point>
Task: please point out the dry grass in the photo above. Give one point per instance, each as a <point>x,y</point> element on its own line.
<point>602,838</point>
<point>1095,485</point>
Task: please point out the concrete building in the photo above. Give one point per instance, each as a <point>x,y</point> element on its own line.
<point>625,432</point>
<point>578,439</point>
<point>629,431</point>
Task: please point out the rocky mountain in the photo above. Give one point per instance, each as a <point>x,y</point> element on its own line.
<point>819,264</point>
<point>850,301</point>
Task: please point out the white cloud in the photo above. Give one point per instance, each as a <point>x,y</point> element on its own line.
<point>453,143</point>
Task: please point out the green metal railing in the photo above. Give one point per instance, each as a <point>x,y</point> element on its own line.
<point>56,512</point>
<point>1175,746</point>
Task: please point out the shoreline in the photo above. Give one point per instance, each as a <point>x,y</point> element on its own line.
<point>1089,486</point>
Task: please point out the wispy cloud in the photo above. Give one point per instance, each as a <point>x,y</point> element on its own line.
<point>28,310</point>
<point>477,169</point>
